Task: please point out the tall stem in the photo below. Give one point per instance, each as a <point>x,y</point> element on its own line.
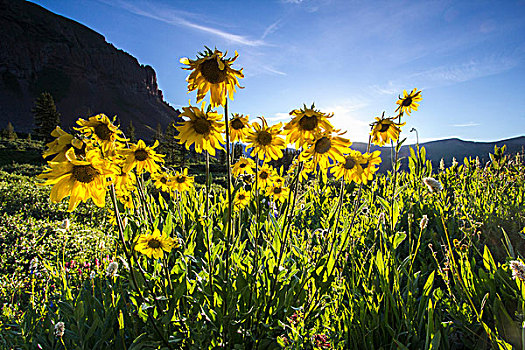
<point>229,216</point>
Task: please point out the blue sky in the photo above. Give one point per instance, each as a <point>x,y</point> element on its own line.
<point>351,58</point>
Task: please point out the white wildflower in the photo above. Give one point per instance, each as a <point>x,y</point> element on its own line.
<point>423,223</point>
<point>432,184</point>
<point>60,328</point>
<point>112,269</point>
<point>518,269</point>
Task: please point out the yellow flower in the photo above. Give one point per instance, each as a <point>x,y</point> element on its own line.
<point>369,168</point>
<point>204,129</point>
<point>212,72</point>
<point>126,198</point>
<point>266,141</point>
<point>350,168</point>
<point>244,166</point>
<point>306,169</point>
<point>141,156</point>
<point>181,181</point>
<point>239,128</point>
<point>265,175</point>
<point>124,181</point>
<point>241,200</point>
<point>101,129</point>
<point>79,179</point>
<point>62,143</point>
<point>384,130</point>
<point>154,245</point>
<point>162,180</point>
<point>278,181</point>
<point>408,102</point>
<point>306,123</point>
<point>326,147</point>
<point>278,193</point>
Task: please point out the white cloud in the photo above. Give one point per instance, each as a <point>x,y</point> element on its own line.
<point>465,125</point>
<point>347,118</point>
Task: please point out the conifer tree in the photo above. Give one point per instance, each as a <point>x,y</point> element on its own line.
<point>46,116</point>
<point>9,132</point>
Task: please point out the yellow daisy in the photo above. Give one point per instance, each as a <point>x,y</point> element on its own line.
<point>350,168</point>
<point>204,129</point>
<point>212,72</point>
<point>305,124</point>
<point>371,165</point>
<point>181,181</point>
<point>266,141</point>
<point>62,143</point>
<point>244,166</point>
<point>241,200</point>
<point>278,193</point>
<point>384,130</point>
<point>142,156</point>
<point>162,181</point>
<point>265,176</point>
<point>101,129</point>
<point>327,147</point>
<point>239,128</point>
<point>154,245</point>
<point>79,179</point>
<point>408,102</point>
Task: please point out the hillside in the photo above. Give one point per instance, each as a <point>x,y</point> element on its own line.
<point>42,51</point>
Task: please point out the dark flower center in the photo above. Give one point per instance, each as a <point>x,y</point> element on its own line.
<point>84,173</point>
<point>277,190</point>
<point>384,127</point>
<point>103,132</point>
<point>407,102</point>
<point>202,126</point>
<point>242,197</point>
<point>141,155</point>
<point>154,243</point>
<point>264,175</point>
<point>349,163</point>
<point>211,72</point>
<point>264,138</point>
<point>323,145</point>
<point>163,180</point>
<point>243,165</point>
<point>181,179</point>
<point>308,123</point>
<point>237,124</point>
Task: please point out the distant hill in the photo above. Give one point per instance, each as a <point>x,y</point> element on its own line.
<point>42,51</point>
<point>447,149</point>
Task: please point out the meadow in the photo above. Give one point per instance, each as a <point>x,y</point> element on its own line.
<point>326,253</point>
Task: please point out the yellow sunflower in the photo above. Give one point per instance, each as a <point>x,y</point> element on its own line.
<point>244,166</point>
<point>265,176</point>
<point>305,124</point>
<point>162,181</point>
<point>266,141</point>
<point>212,72</point>
<point>124,181</point>
<point>241,200</point>
<point>371,165</point>
<point>327,147</point>
<point>239,128</point>
<point>278,181</point>
<point>350,168</point>
<point>181,181</point>
<point>408,102</point>
<point>101,129</point>
<point>204,129</point>
<point>154,245</point>
<point>79,179</point>
<point>142,156</point>
<point>62,143</point>
<point>384,130</point>
<point>278,193</point>
<point>126,198</point>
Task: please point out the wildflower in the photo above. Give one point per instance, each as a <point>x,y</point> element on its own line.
<point>63,142</point>
<point>350,168</point>
<point>305,124</point>
<point>244,166</point>
<point>239,128</point>
<point>278,193</point>
<point>60,328</point>
<point>442,164</point>
<point>154,245</point>
<point>143,157</point>
<point>101,129</point>
<point>265,141</point>
<point>369,167</point>
<point>518,269</point>
<point>92,275</point>
<point>242,199</point>
<point>112,269</point>
<point>408,102</point>
<point>204,129</point>
<point>161,181</point>
<point>423,223</point>
<point>321,341</point>
<point>212,72</point>
<point>79,179</point>
<point>181,181</point>
<point>265,176</point>
<point>432,184</point>
<point>327,147</point>
<point>454,162</point>
<point>384,130</point>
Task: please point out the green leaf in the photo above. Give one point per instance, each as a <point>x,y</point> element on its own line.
<point>488,261</point>
<point>398,239</point>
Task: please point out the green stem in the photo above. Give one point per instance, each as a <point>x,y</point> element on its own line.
<point>229,216</point>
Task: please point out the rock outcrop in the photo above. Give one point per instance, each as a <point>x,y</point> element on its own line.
<point>42,51</point>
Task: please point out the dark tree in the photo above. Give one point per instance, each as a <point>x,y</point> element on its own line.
<point>158,133</point>
<point>46,116</point>
<point>9,132</point>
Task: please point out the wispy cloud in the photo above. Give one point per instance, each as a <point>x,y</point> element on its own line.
<point>465,125</point>
<point>271,29</point>
<point>177,18</point>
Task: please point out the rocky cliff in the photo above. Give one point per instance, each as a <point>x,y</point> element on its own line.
<point>42,51</point>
